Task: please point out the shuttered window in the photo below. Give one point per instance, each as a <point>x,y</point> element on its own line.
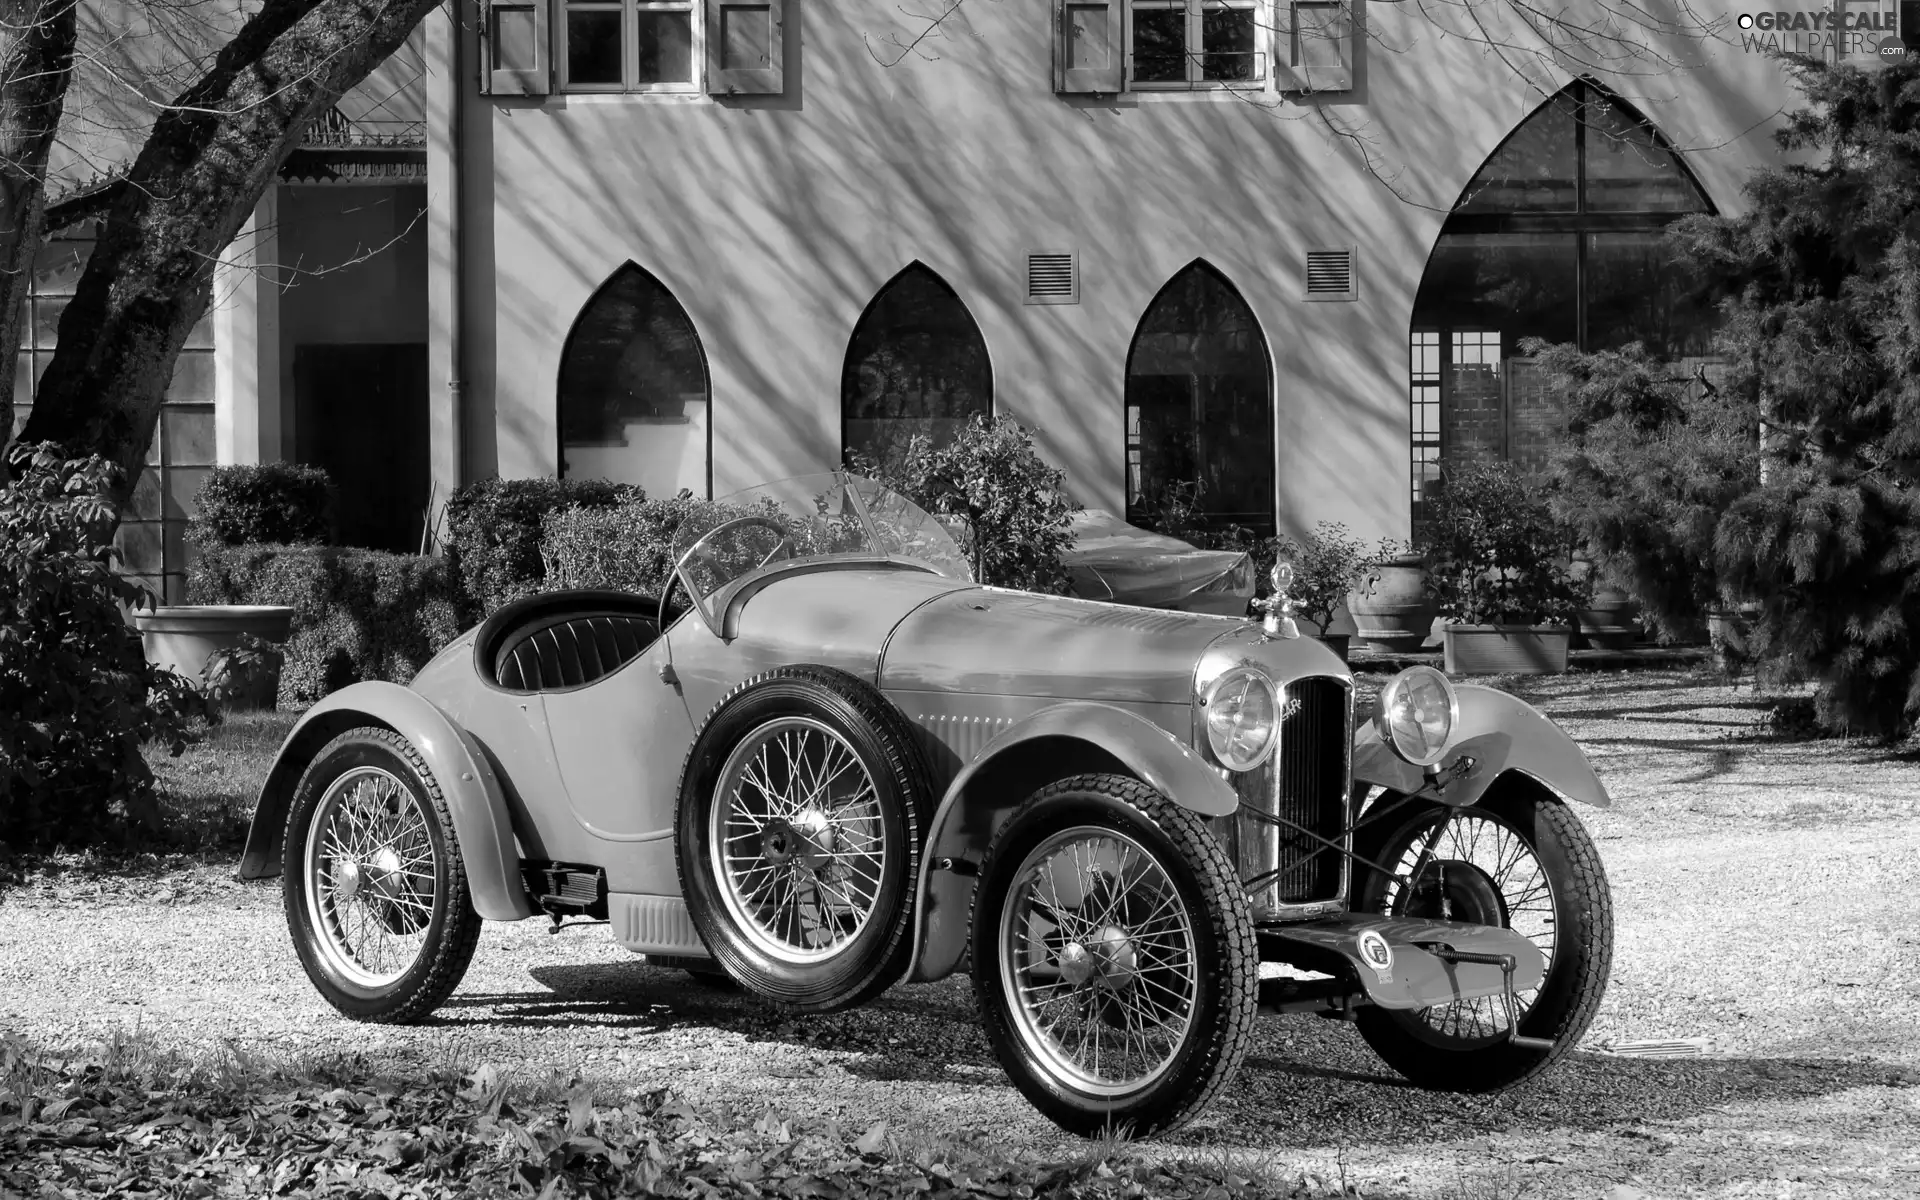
<point>746,47</point>
<point>1316,46</point>
<point>515,48</point>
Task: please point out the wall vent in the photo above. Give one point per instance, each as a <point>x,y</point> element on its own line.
<point>1053,277</point>
<point>1331,274</point>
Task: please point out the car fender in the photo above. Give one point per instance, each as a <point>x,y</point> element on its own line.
<point>458,763</point>
<point>1067,739</point>
<point>1500,733</point>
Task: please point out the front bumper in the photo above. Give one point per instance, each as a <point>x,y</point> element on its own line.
<point>1422,968</point>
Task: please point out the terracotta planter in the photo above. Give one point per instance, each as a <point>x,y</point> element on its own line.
<point>1506,649</point>
<point>1396,614</point>
<point>1336,642</point>
<point>182,637</point>
<point>1609,624</point>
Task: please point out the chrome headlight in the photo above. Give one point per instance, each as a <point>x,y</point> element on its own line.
<point>1416,715</point>
<point>1243,719</point>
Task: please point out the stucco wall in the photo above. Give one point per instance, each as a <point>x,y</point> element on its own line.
<point>774,220</point>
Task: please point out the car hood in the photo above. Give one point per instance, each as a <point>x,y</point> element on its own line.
<point>1005,643</point>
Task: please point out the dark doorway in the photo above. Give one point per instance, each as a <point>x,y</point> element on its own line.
<point>360,411</point>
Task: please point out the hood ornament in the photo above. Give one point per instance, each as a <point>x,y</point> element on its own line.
<point>1279,621</point>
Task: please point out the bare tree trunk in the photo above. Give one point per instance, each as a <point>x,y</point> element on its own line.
<point>36,64</point>
<point>211,155</point>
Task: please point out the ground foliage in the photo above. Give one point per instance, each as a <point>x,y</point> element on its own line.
<point>128,1119</point>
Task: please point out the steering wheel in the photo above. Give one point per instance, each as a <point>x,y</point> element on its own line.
<point>704,551</point>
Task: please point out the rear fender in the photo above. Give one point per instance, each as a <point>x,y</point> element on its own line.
<point>1501,733</point>
<point>1067,739</point>
<point>458,764</point>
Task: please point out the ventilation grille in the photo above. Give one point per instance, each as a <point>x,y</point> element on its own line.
<point>1053,277</point>
<point>1330,275</point>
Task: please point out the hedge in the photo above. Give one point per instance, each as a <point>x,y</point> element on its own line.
<point>357,614</point>
<point>493,534</point>
<point>627,546</point>
<point>280,503</point>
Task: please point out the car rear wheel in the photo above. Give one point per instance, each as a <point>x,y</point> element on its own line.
<point>1114,959</point>
<point>799,829</point>
<point>376,895</point>
<point>1519,859</point>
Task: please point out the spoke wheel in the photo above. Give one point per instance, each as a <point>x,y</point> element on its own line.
<point>798,837</point>
<point>376,896</point>
<point>1518,860</point>
<point>1114,959</point>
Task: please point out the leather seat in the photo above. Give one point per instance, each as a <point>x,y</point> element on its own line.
<point>571,650</point>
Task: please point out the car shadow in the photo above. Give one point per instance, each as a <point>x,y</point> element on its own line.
<point>1306,1082</point>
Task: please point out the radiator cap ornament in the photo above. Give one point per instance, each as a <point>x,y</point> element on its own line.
<point>1279,622</point>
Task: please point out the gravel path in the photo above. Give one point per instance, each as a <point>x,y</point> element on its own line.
<point>1764,898</point>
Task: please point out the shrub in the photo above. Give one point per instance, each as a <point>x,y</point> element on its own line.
<point>357,614</point>
<point>77,695</point>
<point>494,528</point>
<point>274,502</point>
<point>1328,565</point>
<point>1495,553</point>
<point>1012,504</point>
<point>627,547</point>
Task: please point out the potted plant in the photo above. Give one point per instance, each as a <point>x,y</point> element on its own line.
<point>1499,566</point>
<point>1391,605</point>
<point>1608,619</point>
<point>1328,564</point>
<point>220,645</point>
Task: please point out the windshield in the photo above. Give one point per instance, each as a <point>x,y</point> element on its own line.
<point>811,518</point>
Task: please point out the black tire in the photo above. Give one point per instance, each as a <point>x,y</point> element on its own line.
<point>770,946</point>
<point>1464,1047</point>
<point>1219,995</point>
<point>396,780</point>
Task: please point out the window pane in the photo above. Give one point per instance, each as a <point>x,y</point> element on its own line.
<point>633,389</point>
<point>46,321</point>
<point>1160,45</point>
<point>1227,37</point>
<point>1637,291</point>
<point>1534,170</point>
<point>593,46</point>
<point>916,365</point>
<point>746,36</point>
<point>1629,170</point>
<point>666,47</point>
<point>1199,394</point>
<point>1521,284</point>
<point>57,266</point>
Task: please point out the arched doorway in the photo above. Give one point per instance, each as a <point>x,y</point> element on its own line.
<point>1199,406</point>
<point>1560,236</point>
<point>634,395</point>
<point>916,364</point>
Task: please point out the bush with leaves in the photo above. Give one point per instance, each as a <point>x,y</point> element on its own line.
<point>357,614</point>
<point>1496,555</point>
<point>284,503</point>
<point>1326,566</point>
<point>494,529</point>
<point>77,695</point>
<point>1011,504</point>
<point>627,547</point>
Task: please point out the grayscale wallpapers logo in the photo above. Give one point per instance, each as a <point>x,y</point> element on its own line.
<point>1856,33</point>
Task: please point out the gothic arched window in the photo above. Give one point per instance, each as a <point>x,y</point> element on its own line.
<point>916,365</point>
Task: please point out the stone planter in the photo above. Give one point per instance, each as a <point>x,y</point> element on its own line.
<point>1610,623</point>
<point>1727,633</point>
<point>182,637</point>
<point>1336,642</point>
<point>1395,614</point>
<point>1506,649</point>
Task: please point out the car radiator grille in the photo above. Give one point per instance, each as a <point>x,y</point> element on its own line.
<point>1305,782</point>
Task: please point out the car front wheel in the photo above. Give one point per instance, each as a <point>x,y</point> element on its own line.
<point>1114,958</point>
<point>1521,860</point>
<point>376,895</point>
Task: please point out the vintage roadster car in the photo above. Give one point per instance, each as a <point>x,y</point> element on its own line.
<point>827,762</point>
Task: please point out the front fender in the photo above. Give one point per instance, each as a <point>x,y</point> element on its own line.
<point>458,765</point>
<point>1502,733</point>
<point>1067,739</point>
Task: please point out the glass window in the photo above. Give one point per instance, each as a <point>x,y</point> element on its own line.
<point>1199,405</point>
<point>664,53</point>
<point>633,393</point>
<point>631,45</point>
<point>916,365</point>
<point>1535,170</point>
<point>1190,43</point>
<point>1637,291</point>
<point>1629,169</point>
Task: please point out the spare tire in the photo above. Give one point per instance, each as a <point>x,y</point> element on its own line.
<point>802,808</point>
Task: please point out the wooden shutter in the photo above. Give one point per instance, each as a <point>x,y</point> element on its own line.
<point>746,47</point>
<point>1088,55</point>
<point>516,49</point>
<point>1315,53</point>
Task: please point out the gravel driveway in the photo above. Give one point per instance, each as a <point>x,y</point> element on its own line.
<point>1764,894</point>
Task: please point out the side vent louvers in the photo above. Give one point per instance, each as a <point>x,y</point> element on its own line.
<point>1053,277</point>
<point>1331,275</point>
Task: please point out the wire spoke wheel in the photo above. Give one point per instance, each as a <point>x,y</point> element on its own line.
<point>1474,867</point>
<point>370,876</point>
<point>1098,960</point>
<point>798,840</point>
